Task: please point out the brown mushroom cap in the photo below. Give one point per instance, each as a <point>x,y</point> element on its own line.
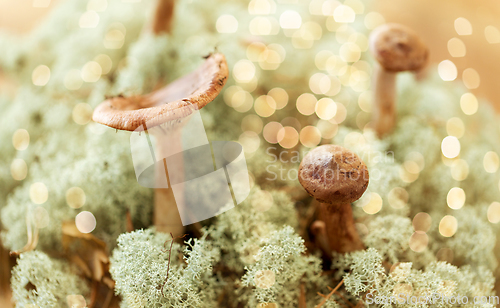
<point>196,89</point>
<point>398,48</point>
<point>334,175</point>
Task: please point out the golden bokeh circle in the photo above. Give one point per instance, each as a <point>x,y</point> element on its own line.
<point>310,136</point>
<point>398,197</point>
<point>288,137</point>
<point>456,198</point>
<point>418,241</point>
<point>448,226</point>
<point>21,139</point>
<point>39,193</point>
<point>19,169</point>
<point>75,197</point>
<point>422,222</point>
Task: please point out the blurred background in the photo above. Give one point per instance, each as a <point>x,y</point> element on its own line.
<point>463,32</point>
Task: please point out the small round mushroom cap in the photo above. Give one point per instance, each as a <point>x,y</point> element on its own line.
<point>169,103</point>
<point>398,48</point>
<point>334,175</point>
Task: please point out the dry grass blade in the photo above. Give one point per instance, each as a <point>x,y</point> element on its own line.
<point>330,294</point>
<point>302,297</point>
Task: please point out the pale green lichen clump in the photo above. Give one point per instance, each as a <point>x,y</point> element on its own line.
<point>40,280</point>
<point>395,288</point>
<point>140,267</point>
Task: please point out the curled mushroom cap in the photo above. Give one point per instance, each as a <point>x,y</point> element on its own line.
<point>398,48</point>
<point>333,175</point>
<point>197,89</point>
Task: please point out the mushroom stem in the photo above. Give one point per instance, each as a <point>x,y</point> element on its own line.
<point>396,48</point>
<point>166,207</point>
<point>164,13</point>
<point>340,228</point>
<point>384,115</point>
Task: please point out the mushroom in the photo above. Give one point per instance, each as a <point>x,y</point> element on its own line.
<point>335,177</point>
<point>162,113</point>
<point>396,48</point>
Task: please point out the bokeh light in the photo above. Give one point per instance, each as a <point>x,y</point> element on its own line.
<point>85,222</point>
<point>492,34</point>
<point>402,289</point>
<point>115,37</point>
<point>82,113</point>
<point>21,139</point>
<point>253,123</point>
<point>41,3</point>
<point>18,169</point>
<point>39,193</point>
<point>76,301</point>
<point>263,26</point>
<point>73,79</point>
<point>406,176</point>
<point>98,6</point>
<point>280,96</point>
<point>91,72</point>
<point>293,122</point>
<point>456,198</point>
<point>469,103</point>
<point>41,217</point>
<point>288,137</point>
<point>445,254</point>
<point>463,26</point>
<point>373,20</point>
<point>290,20</point>
<point>326,108</point>
<point>418,241</point>
<point>456,48</point>
<point>450,146</point>
<point>262,200</point>
<point>264,279</point>
<point>414,162</point>
<point>344,14</point>
<point>261,7</point>
<point>75,197</point>
<point>422,222</point>
<point>89,19</point>
<point>40,75</point>
<point>374,205</point>
<point>327,129</point>
<point>105,62</point>
<point>270,132</point>
<point>471,79</point>
<point>448,226</point>
<point>250,141</point>
<point>447,70</point>
<point>459,169</point>
<point>455,127</point>
<point>244,71</point>
<point>306,104</point>
<point>494,212</point>
<point>350,52</point>
<point>226,24</point>
<point>491,162</point>
<point>254,51</point>
<point>398,197</point>
<point>310,136</point>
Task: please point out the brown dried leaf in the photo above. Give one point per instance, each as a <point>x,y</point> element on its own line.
<point>86,251</point>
